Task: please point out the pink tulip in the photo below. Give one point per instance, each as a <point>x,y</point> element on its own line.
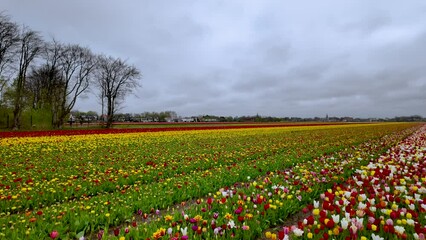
<point>54,234</point>
<point>286,230</point>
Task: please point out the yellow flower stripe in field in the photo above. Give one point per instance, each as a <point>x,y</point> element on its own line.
<point>120,136</point>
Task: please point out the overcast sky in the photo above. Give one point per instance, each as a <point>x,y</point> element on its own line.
<point>232,58</point>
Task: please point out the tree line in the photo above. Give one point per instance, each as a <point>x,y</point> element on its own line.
<point>36,74</point>
<point>91,116</point>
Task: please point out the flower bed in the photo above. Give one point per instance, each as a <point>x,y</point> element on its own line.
<point>244,210</point>
<point>384,200</point>
<point>71,186</point>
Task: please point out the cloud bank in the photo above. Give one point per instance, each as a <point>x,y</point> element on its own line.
<point>234,58</point>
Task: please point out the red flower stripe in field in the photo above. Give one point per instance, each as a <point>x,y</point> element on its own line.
<point>155,129</point>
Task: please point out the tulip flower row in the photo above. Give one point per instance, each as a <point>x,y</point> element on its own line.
<point>244,210</point>
<point>66,168</point>
<point>384,200</point>
<point>187,166</point>
<point>158,128</point>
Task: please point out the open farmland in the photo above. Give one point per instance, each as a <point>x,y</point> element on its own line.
<point>194,184</point>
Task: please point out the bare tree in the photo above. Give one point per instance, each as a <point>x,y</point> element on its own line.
<point>77,64</point>
<point>116,79</point>
<point>44,86</point>
<point>30,45</point>
<point>54,78</point>
<point>9,36</point>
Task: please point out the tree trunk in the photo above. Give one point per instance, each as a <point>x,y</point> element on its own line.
<point>18,105</point>
<point>61,120</point>
<point>60,123</point>
<point>110,114</point>
<point>54,116</point>
<point>16,117</point>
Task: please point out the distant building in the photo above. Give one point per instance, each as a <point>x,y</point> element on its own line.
<point>190,119</point>
<point>71,119</point>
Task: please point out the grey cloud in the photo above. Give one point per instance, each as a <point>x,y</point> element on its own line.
<point>366,25</point>
<point>305,58</point>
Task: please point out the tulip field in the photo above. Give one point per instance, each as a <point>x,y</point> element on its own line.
<point>350,181</point>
